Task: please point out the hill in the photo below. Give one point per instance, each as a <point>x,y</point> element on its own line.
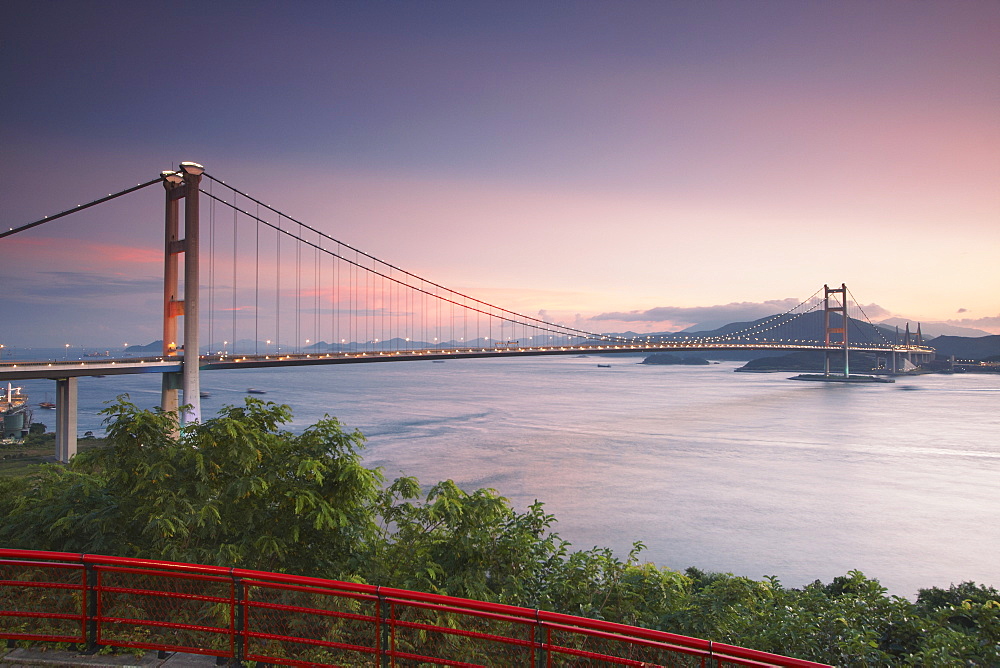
<point>154,348</point>
<point>808,360</point>
<point>936,328</point>
<point>667,358</point>
<point>808,326</point>
<point>968,348</point>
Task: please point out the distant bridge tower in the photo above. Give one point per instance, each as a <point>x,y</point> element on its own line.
<point>182,184</point>
<point>831,330</point>
<point>914,340</point>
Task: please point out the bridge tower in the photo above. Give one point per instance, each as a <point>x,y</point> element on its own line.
<point>830,330</point>
<point>182,184</point>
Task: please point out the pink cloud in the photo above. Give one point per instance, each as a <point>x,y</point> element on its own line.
<point>989,324</point>
<point>41,253</point>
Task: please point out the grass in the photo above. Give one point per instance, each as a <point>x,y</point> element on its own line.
<point>19,457</point>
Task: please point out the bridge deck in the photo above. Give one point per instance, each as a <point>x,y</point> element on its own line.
<point>54,369</point>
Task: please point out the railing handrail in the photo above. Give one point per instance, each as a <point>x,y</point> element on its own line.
<point>94,624</point>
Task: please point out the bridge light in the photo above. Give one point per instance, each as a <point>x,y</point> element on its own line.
<point>192,168</point>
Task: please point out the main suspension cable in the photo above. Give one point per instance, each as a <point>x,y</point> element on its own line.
<point>511,316</point>
<point>79,207</point>
<point>562,328</point>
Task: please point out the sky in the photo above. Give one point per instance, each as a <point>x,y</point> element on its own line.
<point>625,165</point>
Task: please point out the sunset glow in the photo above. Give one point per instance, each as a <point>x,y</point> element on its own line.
<point>604,164</point>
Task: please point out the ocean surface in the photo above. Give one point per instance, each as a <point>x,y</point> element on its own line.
<point>745,473</point>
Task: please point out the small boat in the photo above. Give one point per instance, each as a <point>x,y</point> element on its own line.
<point>603,366</point>
<point>438,361</point>
<point>205,395</point>
<point>46,404</point>
<point>254,390</point>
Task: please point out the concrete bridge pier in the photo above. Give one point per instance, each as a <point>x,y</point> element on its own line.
<point>66,396</point>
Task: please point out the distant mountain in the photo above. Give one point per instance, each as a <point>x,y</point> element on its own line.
<point>967,348</point>
<point>154,347</point>
<point>935,328</point>
<point>808,326</point>
<point>637,335</point>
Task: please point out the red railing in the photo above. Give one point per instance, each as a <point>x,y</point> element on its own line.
<point>246,615</point>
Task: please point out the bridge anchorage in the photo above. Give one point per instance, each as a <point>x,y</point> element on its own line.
<point>281,293</point>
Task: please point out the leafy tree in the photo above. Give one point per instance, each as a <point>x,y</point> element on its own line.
<point>476,545</point>
<point>234,490</point>
<point>239,490</point>
<point>464,544</point>
<point>934,598</point>
<point>962,625</point>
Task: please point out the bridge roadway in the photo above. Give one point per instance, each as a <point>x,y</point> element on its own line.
<point>25,370</point>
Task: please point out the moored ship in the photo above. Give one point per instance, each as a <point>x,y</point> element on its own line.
<point>14,412</point>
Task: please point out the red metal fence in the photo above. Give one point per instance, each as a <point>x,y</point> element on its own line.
<point>244,615</point>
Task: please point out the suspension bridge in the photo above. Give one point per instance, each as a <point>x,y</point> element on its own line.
<point>264,289</point>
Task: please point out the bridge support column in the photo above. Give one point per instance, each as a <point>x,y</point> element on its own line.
<point>183,184</point>
<point>192,344</point>
<point>842,330</point>
<point>171,384</point>
<point>66,398</point>
<point>172,306</point>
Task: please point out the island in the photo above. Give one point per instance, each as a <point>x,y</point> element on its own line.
<point>806,360</point>
<point>667,358</point>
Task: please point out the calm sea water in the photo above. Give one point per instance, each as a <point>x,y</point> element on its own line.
<point>745,473</point>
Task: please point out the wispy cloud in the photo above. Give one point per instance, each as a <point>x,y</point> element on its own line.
<point>702,316</point>
<point>988,323</point>
<point>79,253</point>
<point>710,317</point>
<point>64,287</point>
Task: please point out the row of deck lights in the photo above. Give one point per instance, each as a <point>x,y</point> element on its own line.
<point>671,344</point>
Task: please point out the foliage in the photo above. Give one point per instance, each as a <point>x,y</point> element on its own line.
<point>238,490</point>
<point>37,435</point>
<point>234,490</point>
<point>936,598</point>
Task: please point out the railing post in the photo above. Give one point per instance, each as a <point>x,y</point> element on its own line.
<point>539,647</point>
<point>92,608</point>
<point>239,622</point>
<point>384,639</point>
